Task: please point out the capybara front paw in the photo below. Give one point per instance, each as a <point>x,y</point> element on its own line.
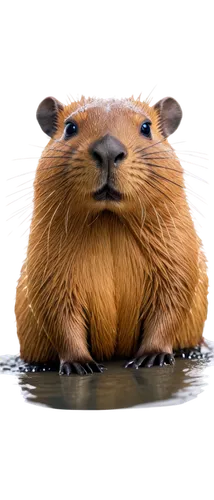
<point>190,353</point>
<point>68,367</point>
<point>149,360</point>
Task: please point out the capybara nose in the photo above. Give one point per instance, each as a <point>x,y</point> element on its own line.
<point>108,151</point>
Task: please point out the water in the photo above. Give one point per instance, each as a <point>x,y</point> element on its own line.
<point>116,388</point>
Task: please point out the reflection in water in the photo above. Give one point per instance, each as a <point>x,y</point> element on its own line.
<point>116,387</point>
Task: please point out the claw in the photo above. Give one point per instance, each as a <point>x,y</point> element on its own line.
<point>97,367</point>
<point>170,359</point>
<point>67,368</point>
<point>190,353</point>
<point>161,359</point>
<point>129,363</point>
<point>89,368</point>
<point>149,360</point>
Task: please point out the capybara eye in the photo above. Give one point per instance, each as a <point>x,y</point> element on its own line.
<point>70,129</point>
<point>145,129</point>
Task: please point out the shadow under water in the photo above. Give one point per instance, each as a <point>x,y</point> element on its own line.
<point>116,387</point>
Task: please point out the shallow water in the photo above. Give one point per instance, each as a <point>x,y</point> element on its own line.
<point>115,388</point>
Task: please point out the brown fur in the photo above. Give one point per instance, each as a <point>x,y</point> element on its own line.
<point>104,279</point>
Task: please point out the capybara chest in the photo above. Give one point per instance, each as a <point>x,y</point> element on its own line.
<point>110,277</point>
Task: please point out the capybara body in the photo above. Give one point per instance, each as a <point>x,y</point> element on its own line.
<point>114,267</point>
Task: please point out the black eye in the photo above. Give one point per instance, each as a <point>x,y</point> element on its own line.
<point>145,129</point>
<point>70,129</point>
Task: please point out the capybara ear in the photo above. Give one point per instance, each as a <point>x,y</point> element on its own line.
<point>47,114</point>
<point>169,115</point>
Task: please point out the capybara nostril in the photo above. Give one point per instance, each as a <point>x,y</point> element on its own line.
<point>108,150</point>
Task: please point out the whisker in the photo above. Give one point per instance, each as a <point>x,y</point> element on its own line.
<point>67,154</point>
<point>78,160</point>
<point>156,152</point>
<point>158,217</point>
<point>157,188</point>
<point>66,146</point>
<point>66,221</point>
<point>53,179</point>
<point>160,166</point>
<point>143,213</point>
<point>55,166</point>
<point>173,221</point>
<point>71,151</point>
<point>169,180</point>
<point>61,157</point>
<point>156,157</point>
<point>143,210</point>
<point>90,224</point>
<point>39,222</point>
<point>76,175</point>
<point>163,222</point>
<point>44,157</point>
<point>72,174</point>
<point>145,180</point>
<point>151,145</point>
<point>58,166</point>
<point>61,141</point>
<point>61,173</point>
<point>48,235</point>
<point>61,183</point>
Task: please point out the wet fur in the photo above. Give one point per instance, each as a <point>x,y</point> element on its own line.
<point>120,280</point>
